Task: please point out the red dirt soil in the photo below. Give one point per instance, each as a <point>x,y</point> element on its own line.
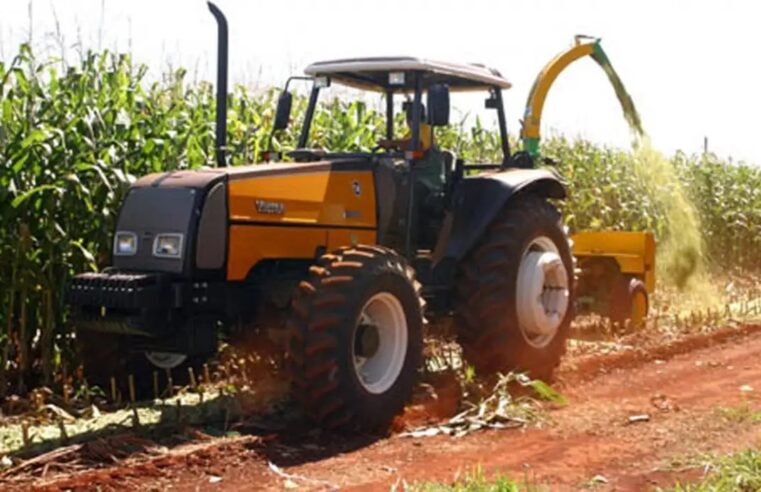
<point>681,388</point>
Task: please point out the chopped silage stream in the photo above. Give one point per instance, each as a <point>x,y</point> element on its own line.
<point>680,254</point>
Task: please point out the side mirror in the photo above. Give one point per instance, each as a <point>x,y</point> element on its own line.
<point>283,112</point>
<point>438,105</point>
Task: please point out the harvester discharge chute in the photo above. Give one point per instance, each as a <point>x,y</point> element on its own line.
<point>530,133</point>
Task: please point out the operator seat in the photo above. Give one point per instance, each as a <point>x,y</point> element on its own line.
<point>450,160</point>
<point>390,196</point>
<point>432,196</point>
<point>437,190</point>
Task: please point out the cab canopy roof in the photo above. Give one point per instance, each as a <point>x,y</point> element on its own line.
<point>376,74</point>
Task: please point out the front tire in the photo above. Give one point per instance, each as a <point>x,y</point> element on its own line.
<point>356,338</point>
<point>514,292</point>
<point>105,356</point>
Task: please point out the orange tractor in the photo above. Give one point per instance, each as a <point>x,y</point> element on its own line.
<point>344,255</point>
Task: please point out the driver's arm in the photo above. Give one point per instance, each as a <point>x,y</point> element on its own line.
<point>406,142</point>
<point>399,143</point>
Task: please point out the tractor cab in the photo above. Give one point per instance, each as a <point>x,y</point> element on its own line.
<point>398,78</point>
<point>416,93</point>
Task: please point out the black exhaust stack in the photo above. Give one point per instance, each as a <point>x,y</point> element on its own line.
<point>221,144</point>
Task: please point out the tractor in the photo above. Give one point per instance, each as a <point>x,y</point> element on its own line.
<point>342,258</point>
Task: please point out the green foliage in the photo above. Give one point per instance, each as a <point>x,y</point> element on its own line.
<point>476,481</point>
<point>740,414</point>
<point>736,472</point>
<point>607,191</point>
<point>72,141</point>
<point>546,392</point>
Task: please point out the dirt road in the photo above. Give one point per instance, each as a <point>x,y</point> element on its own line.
<point>631,422</point>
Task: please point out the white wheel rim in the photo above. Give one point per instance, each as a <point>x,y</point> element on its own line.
<point>378,361</point>
<point>165,360</point>
<point>542,293</point>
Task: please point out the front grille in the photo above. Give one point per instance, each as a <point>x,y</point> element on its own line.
<point>128,291</point>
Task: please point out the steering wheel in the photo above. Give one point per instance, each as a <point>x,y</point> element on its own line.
<point>306,155</point>
<point>378,148</point>
<point>387,145</point>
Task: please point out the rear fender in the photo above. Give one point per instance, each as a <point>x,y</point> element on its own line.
<point>479,199</point>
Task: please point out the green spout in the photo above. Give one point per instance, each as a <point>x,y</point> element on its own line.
<point>627,104</point>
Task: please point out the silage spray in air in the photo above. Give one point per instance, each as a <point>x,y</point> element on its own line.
<point>680,246</point>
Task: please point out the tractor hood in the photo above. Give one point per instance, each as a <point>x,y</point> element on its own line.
<point>148,212</point>
<point>202,178</point>
<point>199,206</point>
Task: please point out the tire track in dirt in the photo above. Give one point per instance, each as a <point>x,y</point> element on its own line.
<point>680,387</point>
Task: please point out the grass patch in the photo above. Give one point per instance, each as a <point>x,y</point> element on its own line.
<point>736,472</point>
<point>45,431</point>
<point>476,481</point>
<point>741,414</point>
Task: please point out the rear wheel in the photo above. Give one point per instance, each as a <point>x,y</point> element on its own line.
<point>514,290</point>
<point>356,338</point>
<point>629,302</point>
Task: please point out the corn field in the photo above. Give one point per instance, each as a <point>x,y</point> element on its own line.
<point>72,140</point>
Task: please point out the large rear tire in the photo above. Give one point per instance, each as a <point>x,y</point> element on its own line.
<point>629,302</point>
<point>356,338</point>
<point>514,292</point>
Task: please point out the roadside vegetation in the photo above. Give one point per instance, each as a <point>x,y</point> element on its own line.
<point>476,481</point>
<point>739,471</point>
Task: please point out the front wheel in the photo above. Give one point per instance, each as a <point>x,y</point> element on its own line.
<point>106,358</point>
<point>165,360</point>
<point>356,338</point>
<point>514,291</point>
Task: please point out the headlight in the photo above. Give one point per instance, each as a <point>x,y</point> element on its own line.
<point>125,244</point>
<point>167,246</point>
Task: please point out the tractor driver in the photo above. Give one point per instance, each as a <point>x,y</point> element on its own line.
<point>429,171</point>
<point>425,136</point>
